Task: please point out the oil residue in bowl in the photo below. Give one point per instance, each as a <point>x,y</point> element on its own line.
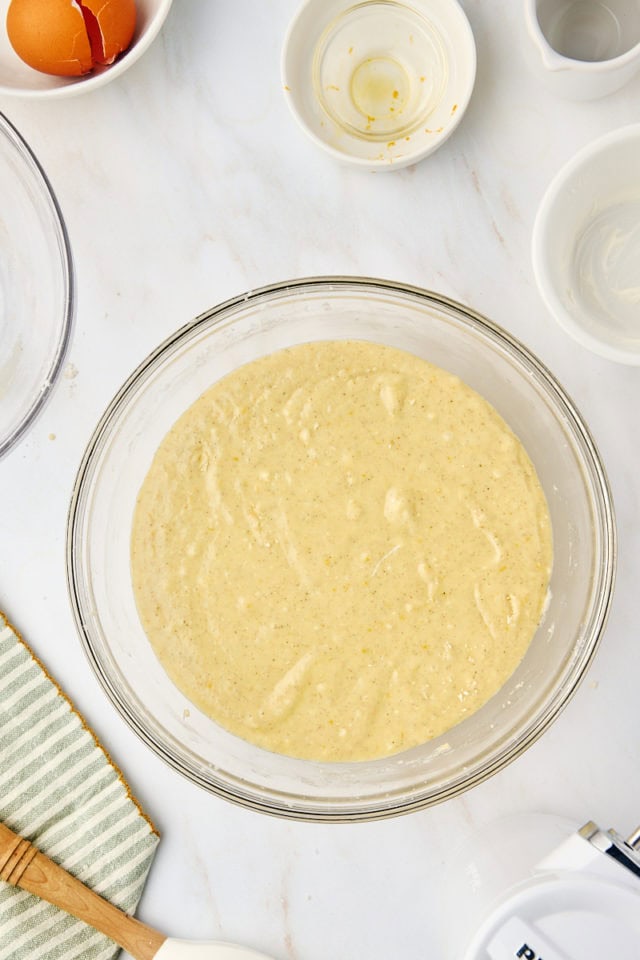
<point>380,69</point>
<point>380,88</point>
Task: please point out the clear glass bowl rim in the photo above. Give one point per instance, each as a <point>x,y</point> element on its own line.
<point>604,520</point>
<point>63,245</point>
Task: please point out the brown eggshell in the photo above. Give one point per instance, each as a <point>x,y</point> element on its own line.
<point>50,35</point>
<point>68,38</point>
<point>110,25</point>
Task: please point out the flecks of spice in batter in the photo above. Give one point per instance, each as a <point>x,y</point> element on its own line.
<point>340,551</point>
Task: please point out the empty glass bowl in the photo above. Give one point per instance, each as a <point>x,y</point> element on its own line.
<point>445,333</point>
<point>36,286</point>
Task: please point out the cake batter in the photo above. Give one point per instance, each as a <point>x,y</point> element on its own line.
<point>340,551</point>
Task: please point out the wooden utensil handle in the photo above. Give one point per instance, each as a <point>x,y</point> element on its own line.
<point>22,865</point>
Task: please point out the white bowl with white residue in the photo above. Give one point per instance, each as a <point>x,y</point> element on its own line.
<point>586,246</point>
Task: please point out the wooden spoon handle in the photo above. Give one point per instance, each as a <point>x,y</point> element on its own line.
<point>22,865</point>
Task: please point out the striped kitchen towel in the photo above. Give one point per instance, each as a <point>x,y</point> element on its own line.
<point>59,789</point>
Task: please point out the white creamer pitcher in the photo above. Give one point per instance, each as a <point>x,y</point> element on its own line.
<point>583,49</point>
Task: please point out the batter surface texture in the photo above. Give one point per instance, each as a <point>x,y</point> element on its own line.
<point>340,551</point>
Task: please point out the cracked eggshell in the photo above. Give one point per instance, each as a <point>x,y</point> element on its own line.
<point>110,25</point>
<point>19,79</point>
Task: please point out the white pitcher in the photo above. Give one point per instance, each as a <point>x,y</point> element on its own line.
<point>583,49</point>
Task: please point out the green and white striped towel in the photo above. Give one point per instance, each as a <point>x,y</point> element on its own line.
<point>59,789</point>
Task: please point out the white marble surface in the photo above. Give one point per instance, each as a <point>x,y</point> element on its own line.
<point>184,182</point>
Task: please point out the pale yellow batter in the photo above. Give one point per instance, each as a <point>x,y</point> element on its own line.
<point>340,551</point>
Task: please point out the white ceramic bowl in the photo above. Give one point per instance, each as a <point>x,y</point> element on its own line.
<point>36,287</point>
<point>586,246</point>
<point>583,50</point>
<point>18,79</point>
<point>171,379</point>
<point>379,84</point>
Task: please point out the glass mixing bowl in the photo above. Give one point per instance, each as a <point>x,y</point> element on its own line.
<point>36,287</point>
<point>445,333</point>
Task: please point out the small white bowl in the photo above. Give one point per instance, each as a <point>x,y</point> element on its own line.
<point>379,84</point>
<point>19,80</point>
<point>586,246</point>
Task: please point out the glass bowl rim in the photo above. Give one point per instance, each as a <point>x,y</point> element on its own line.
<point>297,807</point>
<point>65,259</point>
